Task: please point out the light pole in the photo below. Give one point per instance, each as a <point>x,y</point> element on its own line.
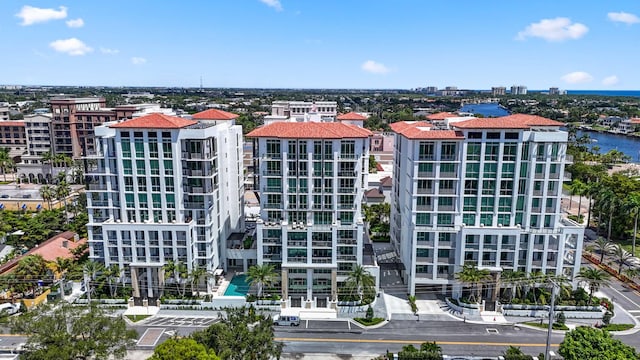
<point>551,305</point>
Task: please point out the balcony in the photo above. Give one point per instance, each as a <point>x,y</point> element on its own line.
<point>272,205</point>
<point>447,191</point>
<point>275,189</point>
<point>297,259</point>
<point>448,157</point>
<point>448,174</point>
<point>346,190</point>
<point>347,258</point>
<point>194,205</point>
<point>346,206</point>
<point>424,259</point>
<point>321,260</point>
<point>427,174</point>
<point>426,157</point>
<point>321,243</point>
<point>344,156</point>
<point>424,207</point>
<point>272,173</point>
<point>346,173</point>
<point>446,207</point>
<point>425,190</point>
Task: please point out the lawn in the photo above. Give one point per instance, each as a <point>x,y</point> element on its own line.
<point>136,318</point>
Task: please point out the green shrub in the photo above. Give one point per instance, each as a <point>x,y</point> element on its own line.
<point>369,315</point>
<point>617,327</point>
<point>369,322</point>
<point>607,317</point>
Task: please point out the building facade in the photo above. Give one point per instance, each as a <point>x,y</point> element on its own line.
<point>13,138</point>
<point>160,189</point>
<point>311,178</point>
<point>518,90</point>
<point>498,90</point>
<point>481,191</point>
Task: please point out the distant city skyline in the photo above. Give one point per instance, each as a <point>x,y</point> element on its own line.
<point>330,44</point>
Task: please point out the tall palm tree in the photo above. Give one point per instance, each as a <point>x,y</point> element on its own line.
<point>113,275</point>
<point>47,158</point>
<point>197,274</point>
<point>611,202</point>
<point>63,190</point>
<point>471,275</point>
<point>604,247</point>
<point>48,194</point>
<point>261,275</point>
<point>91,270</point>
<point>183,276</point>
<point>169,269</point>
<point>362,281</point>
<point>431,347</point>
<point>633,204</point>
<point>592,189</point>
<point>512,279</point>
<point>632,273</point>
<point>6,162</point>
<point>578,188</point>
<point>595,278</point>
<point>621,256</point>
<point>60,266</point>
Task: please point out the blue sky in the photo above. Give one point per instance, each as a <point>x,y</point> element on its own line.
<point>322,44</point>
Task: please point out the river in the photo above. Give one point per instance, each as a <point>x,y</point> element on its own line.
<point>606,141</point>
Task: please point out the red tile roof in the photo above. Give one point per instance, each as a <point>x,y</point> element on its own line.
<point>422,131</point>
<point>351,116</point>
<point>441,116</point>
<point>516,121</point>
<point>386,181</point>
<point>155,121</point>
<point>373,193</point>
<point>51,249</point>
<point>214,114</point>
<point>11,123</point>
<point>310,130</point>
<point>635,120</point>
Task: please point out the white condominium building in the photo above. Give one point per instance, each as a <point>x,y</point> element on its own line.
<point>311,179</point>
<point>300,111</point>
<point>163,188</point>
<point>481,191</point>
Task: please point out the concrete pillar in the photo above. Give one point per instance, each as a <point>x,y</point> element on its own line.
<point>334,285</point>
<point>285,283</point>
<point>161,281</point>
<point>134,282</point>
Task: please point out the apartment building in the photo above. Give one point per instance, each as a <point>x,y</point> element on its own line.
<point>311,177</point>
<point>518,90</point>
<point>38,140</point>
<point>13,138</point>
<point>498,90</point>
<point>301,111</point>
<point>163,188</point>
<point>4,113</point>
<point>481,191</point>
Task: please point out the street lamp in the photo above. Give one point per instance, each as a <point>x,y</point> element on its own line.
<point>551,305</point>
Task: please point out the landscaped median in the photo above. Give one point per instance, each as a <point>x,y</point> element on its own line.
<point>632,284</point>
<point>539,311</point>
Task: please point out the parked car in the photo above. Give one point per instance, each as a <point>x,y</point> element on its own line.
<point>285,320</point>
<point>9,308</point>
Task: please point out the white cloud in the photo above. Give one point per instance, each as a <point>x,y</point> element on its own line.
<point>32,15</point>
<point>109,51</point>
<point>610,80</point>
<point>623,17</point>
<point>138,60</point>
<point>374,67</point>
<point>577,77</point>
<point>273,3</point>
<point>72,46</point>
<point>75,23</point>
<point>558,29</point>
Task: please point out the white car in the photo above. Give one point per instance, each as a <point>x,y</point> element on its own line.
<point>9,309</point>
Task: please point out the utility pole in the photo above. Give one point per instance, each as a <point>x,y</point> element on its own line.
<point>551,305</point>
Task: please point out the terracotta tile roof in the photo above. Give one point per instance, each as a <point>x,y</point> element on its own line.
<point>516,121</point>
<point>155,121</point>
<point>351,116</point>
<point>310,130</point>
<point>441,116</point>
<point>386,181</point>
<point>11,123</point>
<point>635,120</point>
<point>49,250</point>
<point>214,114</point>
<point>422,131</point>
<point>373,193</point>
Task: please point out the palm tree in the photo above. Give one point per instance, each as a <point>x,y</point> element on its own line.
<point>513,279</point>
<point>592,189</point>
<point>60,266</point>
<point>63,190</point>
<point>611,202</point>
<point>632,272</point>
<point>633,204</point>
<point>471,275</point>
<point>30,269</point>
<point>595,278</point>
<point>48,158</point>
<point>621,256</point>
<point>604,247</point>
<point>48,194</point>
<point>534,279</point>
<point>431,347</point>
<point>261,275</point>
<point>113,275</point>
<point>169,269</point>
<point>578,188</point>
<point>91,269</point>
<point>362,281</point>
<point>183,277</point>
<point>196,275</point>
<point>6,162</point>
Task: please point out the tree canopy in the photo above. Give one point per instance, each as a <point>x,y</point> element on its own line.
<point>182,349</point>
<point>73,332</point>
<point>590,343</point>
<point>241,334</point>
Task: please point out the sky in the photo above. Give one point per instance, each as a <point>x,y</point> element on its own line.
<point>355,44</point>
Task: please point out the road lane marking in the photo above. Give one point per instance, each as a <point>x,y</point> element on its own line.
<point>378,341</point>
<point>634,311</point>
<point>624,296</point>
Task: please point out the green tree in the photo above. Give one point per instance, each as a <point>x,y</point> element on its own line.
<point>362,281</point>
<point>182,349</point>
<point>73,332</point>
<point>595,278</point>
<point>621,256</point>
<point>63,190</point>
<point>31,269</point>
<point>579,188</point>
<point>603,246</point>
<point>6,162</point>
<point>114,276</point>
<point>472,276</point>
<point>91,270</point>
<point>48,158</point>
<point>633,204</point>
<point>241,334</point>
<point>48,194</point>
<point>197,274</point>
<point>514,353</point>
<point>373,164</point>
<point>427,351</point>
<point>261,275</point>
<point>589,343</point>
<point>513,280</point>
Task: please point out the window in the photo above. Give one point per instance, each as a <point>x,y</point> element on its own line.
<point>426,151</point>
<point>448,169</point>
<point>473,170</point>
<point>469,219</point>
<point>273,148</point>
<point>509,152</point>
<point>488,187</point>
<point>140,168</point>
<point>126,149</point>
<point>168,167</point>
<point>471,187</point>
<point>490,170</point>
<point>445,219</point>
<point>470,203</point>
<point>423,219</point>
<point>448,151</point>
<point>491,152</point>
<point>473,152</point>
<point>139,145</point>
<point>486,204</point>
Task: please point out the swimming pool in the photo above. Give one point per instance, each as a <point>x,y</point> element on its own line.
<point>238,286</point>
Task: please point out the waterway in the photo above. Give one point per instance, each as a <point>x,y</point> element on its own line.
<point>486,109</point>
<point>607,141</point>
